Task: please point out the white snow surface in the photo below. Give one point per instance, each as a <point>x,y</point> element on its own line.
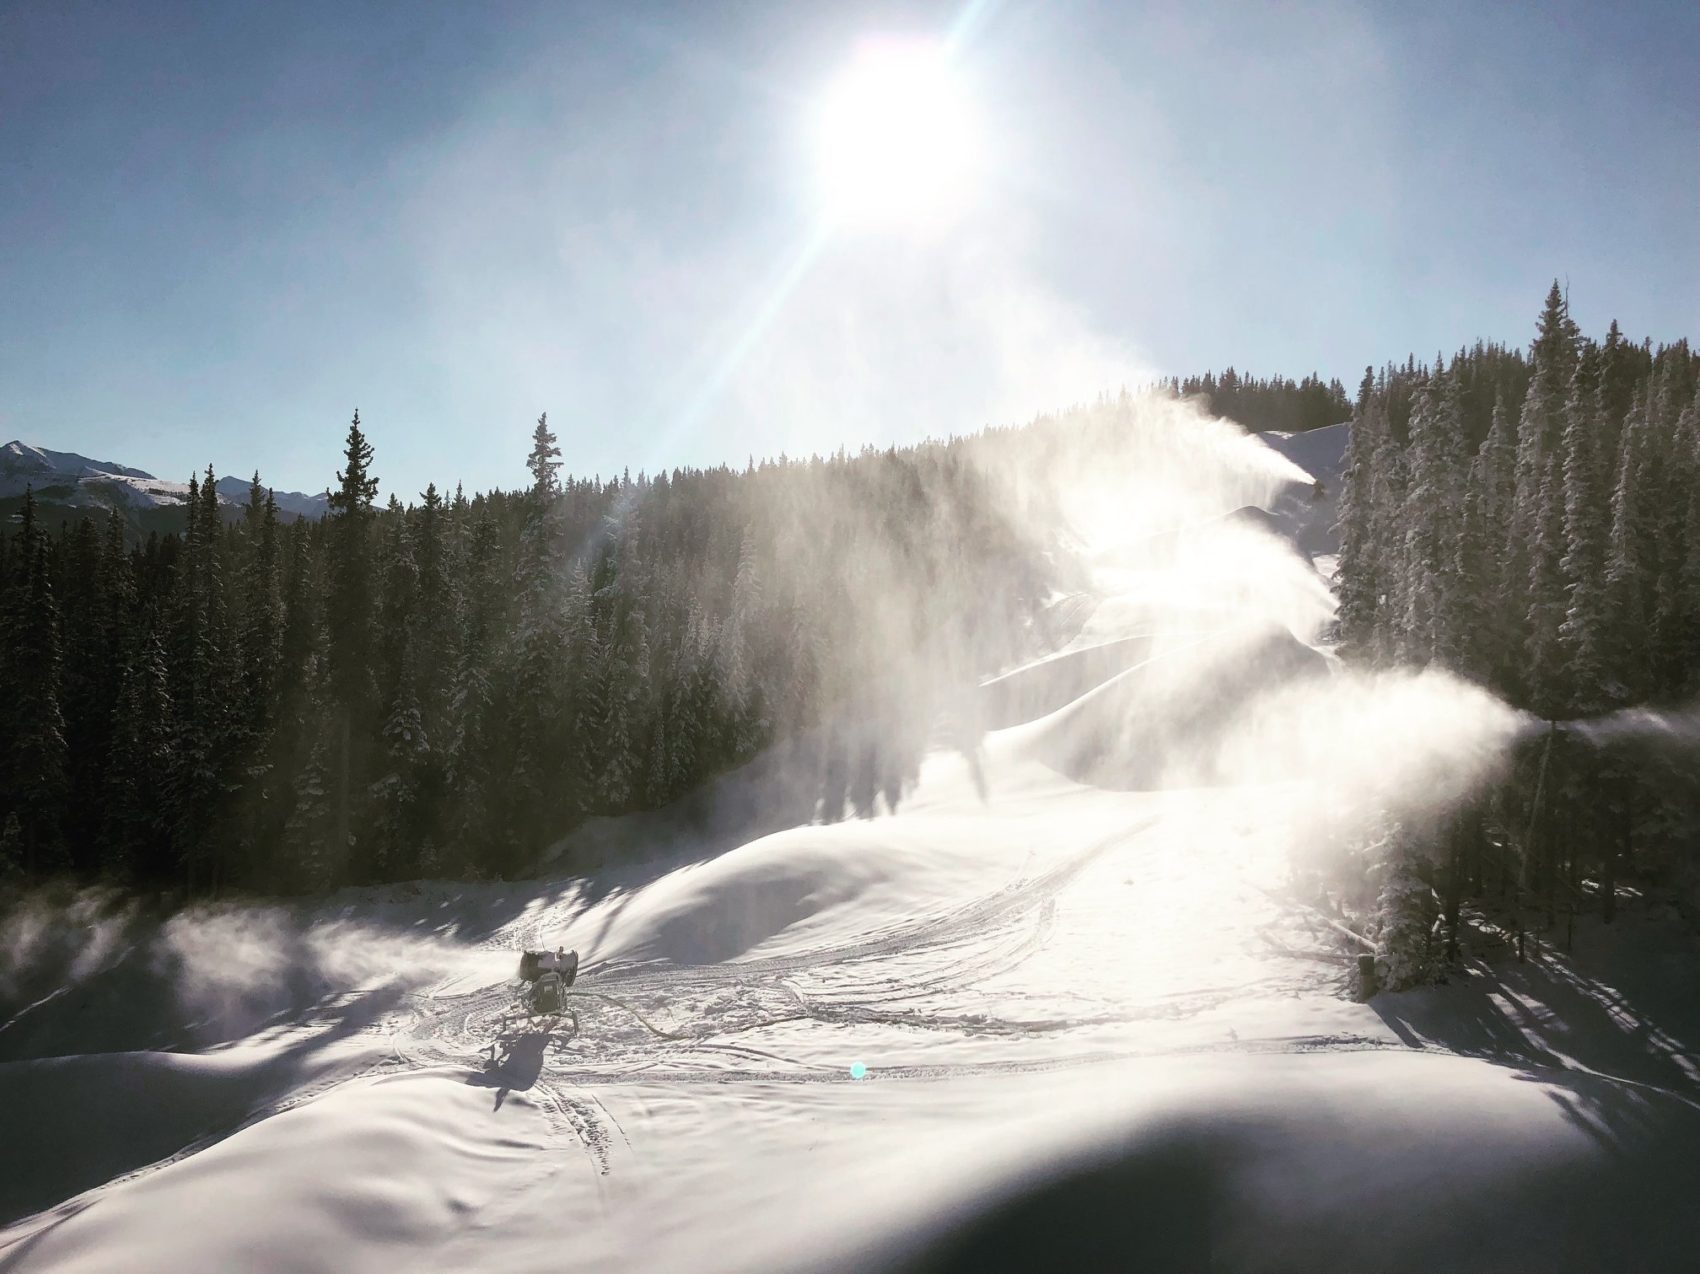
<point>1054,1011</point>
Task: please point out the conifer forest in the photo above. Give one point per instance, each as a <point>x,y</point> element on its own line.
<point>441,688</point>
<point>1531,522</point>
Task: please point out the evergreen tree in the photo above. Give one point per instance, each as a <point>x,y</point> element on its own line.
<point>1539,431</point>
<point>540,646</point>
<point>203,695</point>
<point>1587,528</point>
<point>348,625</point>
<point>35,760</point>
<point>262,642</point>
<point>401,791</point>
<point>1433,518</point>
<point>1389,485</point>
<point>1490,636</point>
<point>1627,563</point>
<point>1357,582</point>
<point>139,769</point>
<point>1548,659</point>
<point>307,840</point>
<point>88,682</point>
<point>1673,640</point>
<point>470,758</point>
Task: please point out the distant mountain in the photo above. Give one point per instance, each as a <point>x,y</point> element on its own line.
<point>64,481</point>
<point>311,507</point>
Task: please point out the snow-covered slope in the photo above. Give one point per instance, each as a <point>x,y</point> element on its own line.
<point>1053,1007</point>
<point>65,479</point>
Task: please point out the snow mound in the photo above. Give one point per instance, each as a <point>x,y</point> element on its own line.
<point>1284,1164</point>
<point>78,1122</point>
<point>369,1177</point>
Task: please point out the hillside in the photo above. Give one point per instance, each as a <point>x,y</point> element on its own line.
<point>1051,1003</point>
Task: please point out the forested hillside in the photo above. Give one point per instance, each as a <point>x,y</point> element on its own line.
<point>1264,404</point>
<point>1532,523</point>
<point>444,687</point>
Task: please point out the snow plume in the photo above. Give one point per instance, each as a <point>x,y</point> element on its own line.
<point>1393,743</point>
<point>1675,728</point>
<point>73,936</point>
<point>1163,506</point>
<point>1145,465</point>
<point>100,969</point>
<point>231,963</point>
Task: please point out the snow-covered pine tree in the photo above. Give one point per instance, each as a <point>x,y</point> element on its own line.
<point>1548,659</point>
<point>262,611</point>
<point>206,664</point>
<point>398,791</point>
<point>1408,948</point>
<point>740,665</point>
<point>1587,533</point>
<point>1622,369</point>
<point>625,701</point>
<point>435,613</point>
<point>136,793</point>
<point>261,648</point>
<point>1387,499</point>
<point>1358,581</point>
<point>470,759</point>
<point>539,644</point>
<point>313,860</point>
<point>1433,522</point>
<point>349,636</point>
<point>1627,564</point>
<point>1539,431</point>
<point>1688,429</point>
<point>1672,640</point>
<point>582,692</point>
<point>1490,635</point>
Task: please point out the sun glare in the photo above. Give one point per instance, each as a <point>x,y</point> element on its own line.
<point>896,142</point>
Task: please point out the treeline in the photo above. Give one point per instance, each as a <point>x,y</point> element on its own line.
<point>1261,405</point>
<point>443,688</point>
<point>1532,523</point>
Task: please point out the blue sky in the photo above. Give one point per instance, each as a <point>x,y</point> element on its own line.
<point>223,226</point>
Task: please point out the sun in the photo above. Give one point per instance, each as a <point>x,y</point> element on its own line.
<point>896,142</point>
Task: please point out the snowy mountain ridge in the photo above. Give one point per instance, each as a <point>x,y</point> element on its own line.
<point>67,479</point>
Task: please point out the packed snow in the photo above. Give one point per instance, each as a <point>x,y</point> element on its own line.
<point>1054,1007</point>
